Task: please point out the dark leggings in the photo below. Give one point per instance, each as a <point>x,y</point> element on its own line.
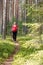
<point>14,35</point>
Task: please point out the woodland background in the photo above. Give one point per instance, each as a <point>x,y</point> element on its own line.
<point>28,14</point>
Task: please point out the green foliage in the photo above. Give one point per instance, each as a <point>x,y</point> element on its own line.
<point>30,52</point>
<point>9,25</point>
<point>20,27</point>
<point>6,49</point>
<point>34,13</point>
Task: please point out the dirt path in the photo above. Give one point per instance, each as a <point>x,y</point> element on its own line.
<point>10,59</point>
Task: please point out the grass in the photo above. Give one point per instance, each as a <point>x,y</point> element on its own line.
<point>6,49</point>
<point>31,48</point>
<point>30,53</point>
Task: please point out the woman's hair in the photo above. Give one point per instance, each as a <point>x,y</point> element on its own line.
<point>14,22</point>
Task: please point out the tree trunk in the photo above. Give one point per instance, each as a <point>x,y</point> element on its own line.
<point>13,8</point>
<point>4,20</point>
<point>16,10</point>
<point>2,17</point>
<point>7,14</point>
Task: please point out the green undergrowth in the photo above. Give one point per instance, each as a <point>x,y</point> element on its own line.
<point>30,52</point>
<point>6,49</point>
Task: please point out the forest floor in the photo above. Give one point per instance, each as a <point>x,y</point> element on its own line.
<point>28,51</point>
<point>10,59</point>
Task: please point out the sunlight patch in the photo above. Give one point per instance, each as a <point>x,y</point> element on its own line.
<point>31,62</point>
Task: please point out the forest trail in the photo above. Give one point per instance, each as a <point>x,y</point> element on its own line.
<point>10,59</point>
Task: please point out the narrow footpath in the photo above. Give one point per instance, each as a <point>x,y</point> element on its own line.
<point>10,59</point>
